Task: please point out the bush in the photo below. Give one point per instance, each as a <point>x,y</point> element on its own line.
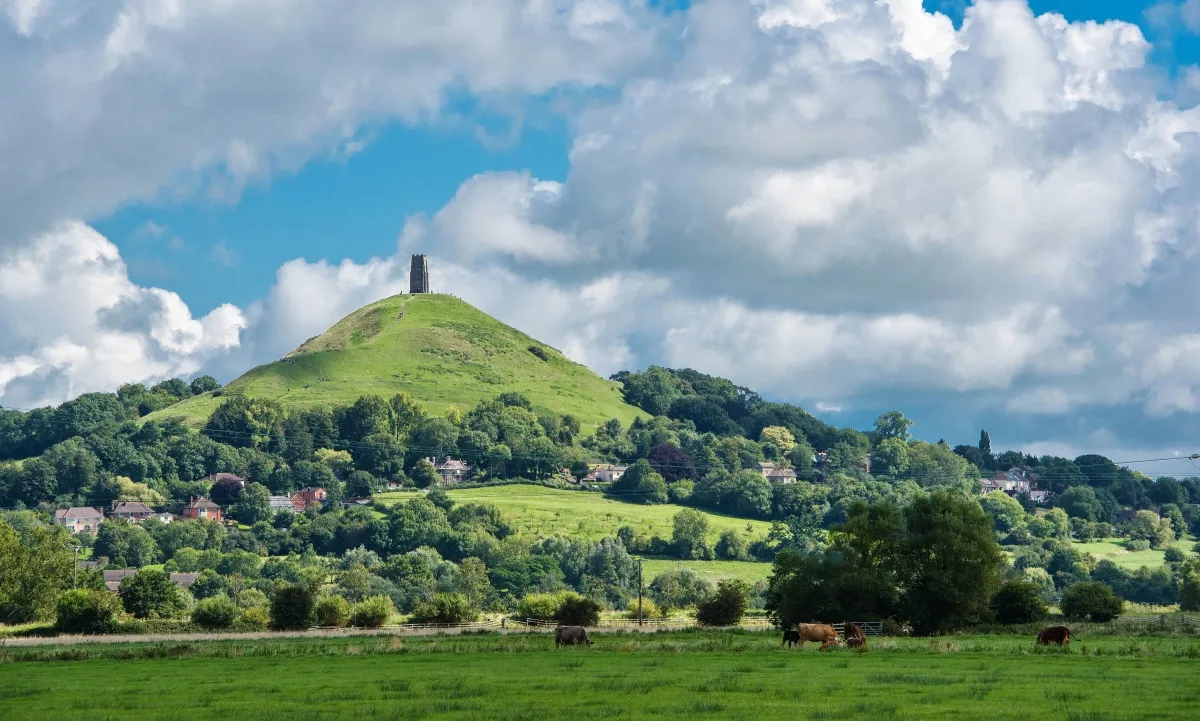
<point>1137,544</point>
<point>87,611</point>
<point>215,612</point>
<point>333,611</point>
<point>443,608</point>
<point>372,612</point>
<point>151,594</point>
<point>255,617</point>
<point>252,597</point>
<point>540,606</point>
<point>293,609</point>
<point>1091,600</point>
<point>1018,602</point>
<point>725,607</point>
<point>1173,555</point>
<point>578,611</point>
<point>209,584</point>
<point>649,609</point>
<point>732,546</point>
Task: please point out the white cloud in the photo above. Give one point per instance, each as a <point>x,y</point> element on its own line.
<point>73,322</point>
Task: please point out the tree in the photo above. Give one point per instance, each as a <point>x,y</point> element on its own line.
<point>689,534</point>
<point>424,474</point>
<point>951,565</point>
<point>254,505</point>
<point>151,594</point>
<point>37,566</point>
<point>732,546</point>
<point>1006,513</point>
<point>356,581</point>
<point>204,384</point>
<point>332,612</point>
<point>985,445</point>
<point>652,489</point>
<point>373,612</point>
<point>406,414</point>
<point>1018,602</point>
<point>893,424</point>
<point>245,422</point>
<point>671,462</point>
<point>890,457</point>
<point>779,437</point>
<point>368,416</point>
<point>226,492</point>
<point>293,608</point>
<point>87,611</point>
<point>361,484</point>
<point>446,608</point>
<point>725,607</point>
<point>1091,600</point>
<point>473,581</point>
<point>1080,502</point>
<point>577,610</point>
<point>679,588</point>
<point>1189,585</point>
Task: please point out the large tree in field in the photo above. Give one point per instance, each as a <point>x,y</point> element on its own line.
<point>35,567</point>
<point>893,424</point>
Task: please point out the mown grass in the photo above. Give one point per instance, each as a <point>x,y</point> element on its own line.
<point>1113,550</point>
<point>441,350</point>
<point>693,674</point>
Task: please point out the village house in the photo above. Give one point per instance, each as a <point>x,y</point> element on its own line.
<point>781,475</point>
<point>765,468</point>
<point>1014,482</point>
<point>453,470</point>
<point>293,504</point>
<point>79,519</point>
<point>218,477</point>
<point>608,473</point>
<point>132,511</point>
<point>165,517</point>
<point>202,508</point>
<point>113,578</point>
<point>184,580</point>
<point>311,495</point>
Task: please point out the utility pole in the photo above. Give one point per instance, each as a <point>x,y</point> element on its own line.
<point>75,577</point>
<point>639,592</point>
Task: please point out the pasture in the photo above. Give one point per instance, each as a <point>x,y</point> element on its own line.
<point>1112,550</point>
<point>691,674</point>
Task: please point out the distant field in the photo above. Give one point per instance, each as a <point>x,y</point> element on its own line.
<point>543,511</point>
<point>438,348</point>
<point>702,674</point>
<point>750,572</point>
<point>1111,550</point>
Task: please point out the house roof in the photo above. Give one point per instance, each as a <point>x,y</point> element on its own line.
<point>452,464</point>
<point>782,473</point>
<point>116,575</point>
<point>184,580</point>
<point>77,512</point>
<point>311,489</point>
<point>201,503</point>
<point>281,502</point>
<point>218,477</point>
<point>132,507</point>
<point>766,465</point>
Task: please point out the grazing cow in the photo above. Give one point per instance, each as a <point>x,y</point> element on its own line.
<point>791,638</point>
<point>571,636</point>
<point>1060,635</point>
<point>818,632</point>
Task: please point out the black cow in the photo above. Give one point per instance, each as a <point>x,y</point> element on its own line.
<point>790,638</point>
<point>571,636</point>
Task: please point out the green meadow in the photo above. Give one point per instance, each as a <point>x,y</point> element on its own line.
<point>697,674</point>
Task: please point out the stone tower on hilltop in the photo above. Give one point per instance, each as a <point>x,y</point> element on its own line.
<point>418,275</point>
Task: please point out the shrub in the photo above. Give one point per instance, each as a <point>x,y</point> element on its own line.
<point>1018,602</point>
<point>443,608</point>
<point>252,597</point>
<point>87,611</point>
<point>215,612</point>
<point>725,607</point>
<point>732,546</point>
<point>1173,555</point>
<point>1091,600</point>
<point>255,617</point>
<point>649,609</point>
<point>209,584</point>
<point>293,608</point>
<point>1137,544</point>
<point>540,606</point>
<point>333,611</point>
<point>539,352</point>
<point>372,612</point>
<point>151,594</point>
<point>578,611</point>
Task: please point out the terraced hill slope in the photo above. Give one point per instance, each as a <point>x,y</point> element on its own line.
<point>438,348</point>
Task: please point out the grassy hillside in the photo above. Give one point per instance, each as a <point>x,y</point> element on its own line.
<point>438,348</point>
<point>543,511</point>
<point>1112,550</point>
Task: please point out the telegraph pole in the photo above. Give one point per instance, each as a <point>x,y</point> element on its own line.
<point>75,576</point>
<point>639,592</point>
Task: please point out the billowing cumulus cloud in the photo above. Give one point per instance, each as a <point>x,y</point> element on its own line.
<point>827,200</point>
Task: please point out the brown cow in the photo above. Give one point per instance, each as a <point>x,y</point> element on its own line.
<point>818,632</point>
<point>855,638</point>
<point>1060,635</point>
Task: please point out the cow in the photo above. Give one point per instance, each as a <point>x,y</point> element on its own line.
<point>817,632</point>
<point>1060,635</point>
<point>790,638</point>
<point>855,638</point>
<point>571,636</point>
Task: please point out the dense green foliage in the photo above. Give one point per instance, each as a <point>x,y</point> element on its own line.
<point>332,612</point>
<point>216,612</point>
<point>87,611</point>
<point>446,608</point>
<point>1091,600</point>
<point>725,606</point>
<point>1018,602</point>
<point>293,608</point>
<point>151,594</point>
<point>577,611</point>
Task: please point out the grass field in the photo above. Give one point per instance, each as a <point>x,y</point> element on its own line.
<point>1112,550</point>
<point>542,511</point>
<point>749,571</point>
<point>699,674</point>
<point>438,348</point>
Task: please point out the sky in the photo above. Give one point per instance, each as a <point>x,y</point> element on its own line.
<point>981,213</point>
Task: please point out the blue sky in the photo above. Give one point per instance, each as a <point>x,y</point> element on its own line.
<point>211,171</point>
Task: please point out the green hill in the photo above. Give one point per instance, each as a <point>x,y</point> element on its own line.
<point>438,348</point>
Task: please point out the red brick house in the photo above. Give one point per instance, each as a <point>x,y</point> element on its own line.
<point>202,508</point>
<point>311,495</point>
